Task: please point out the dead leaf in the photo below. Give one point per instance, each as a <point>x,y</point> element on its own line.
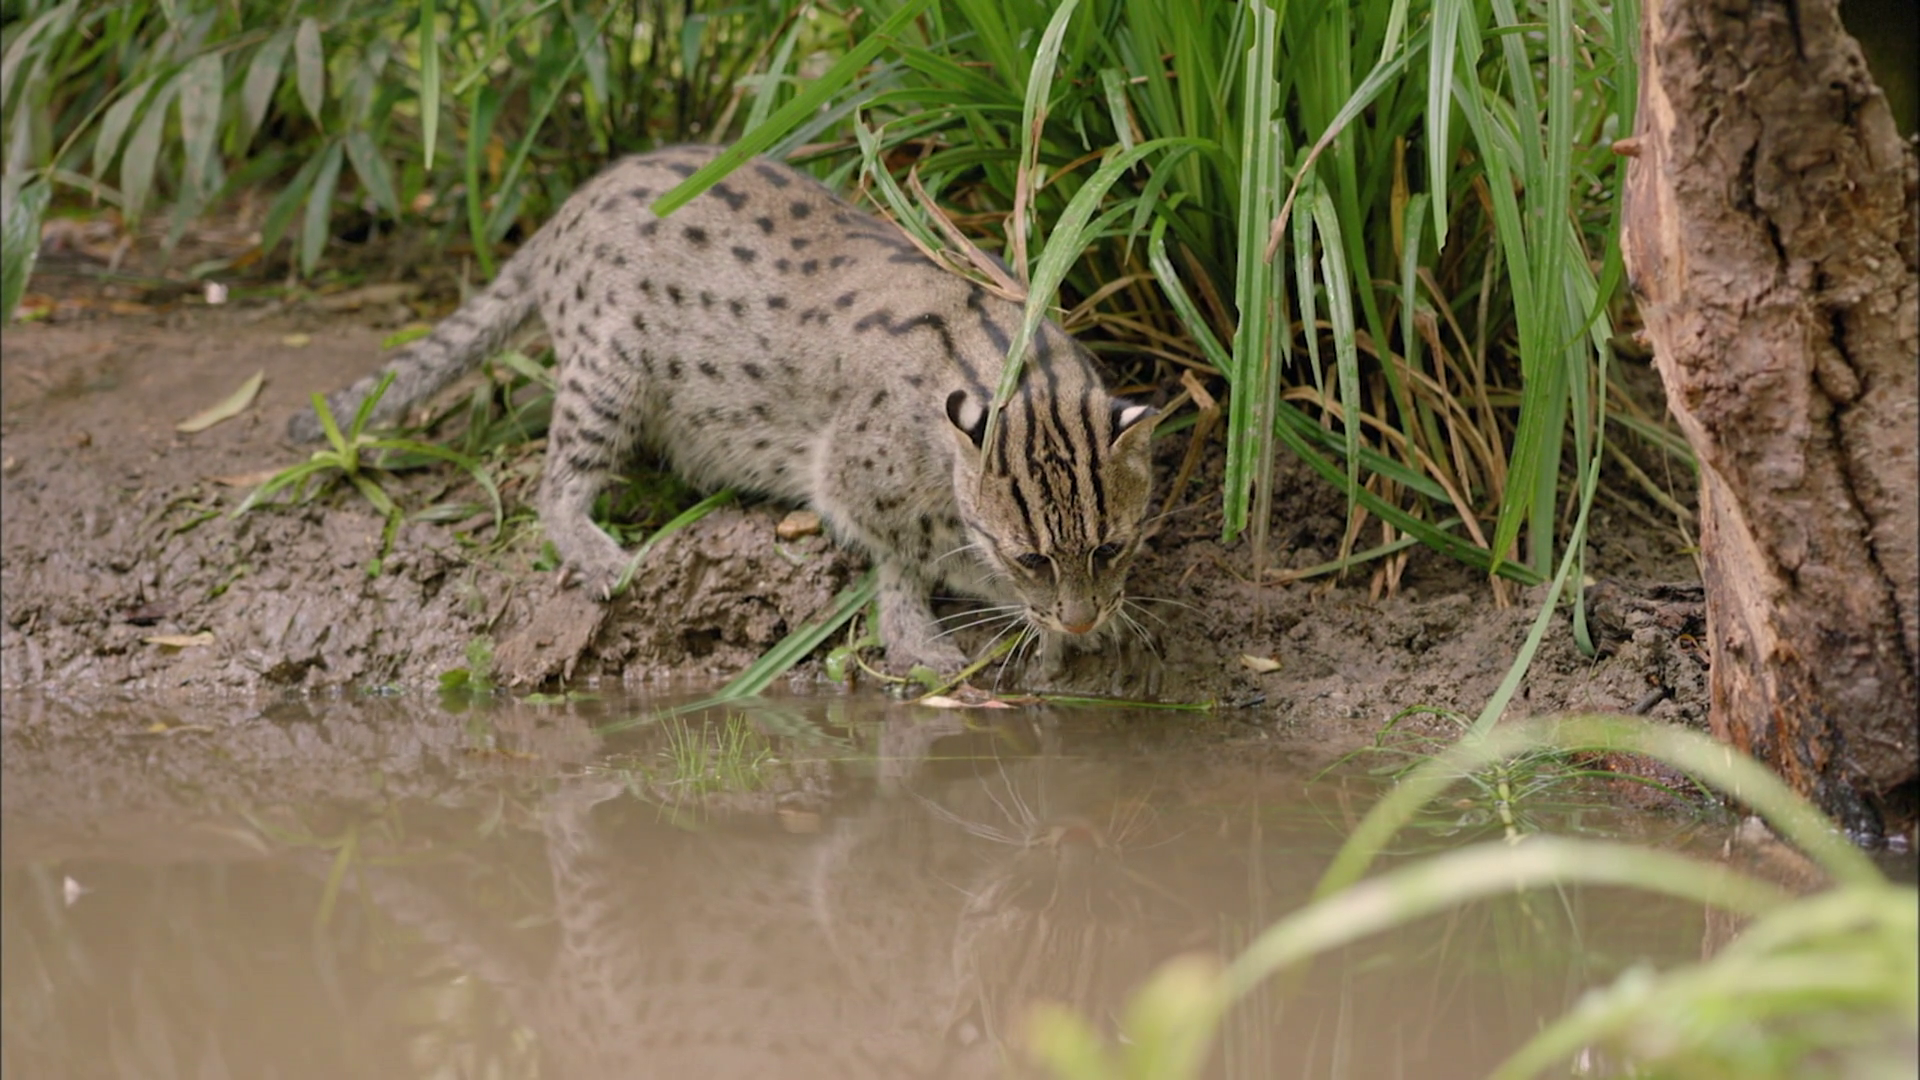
<point>942,701</point>
<point>798,524</point>
<point>1201,398</point>
<point>1260,665</point>
<point>297,341</point>
<point>368,295</point>
<point>246,480</point>
<point>180,641</point>
<point>233,405</point>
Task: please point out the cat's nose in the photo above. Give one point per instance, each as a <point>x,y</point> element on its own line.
<point>1078,627</point>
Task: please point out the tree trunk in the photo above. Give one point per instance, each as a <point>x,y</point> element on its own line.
<point>1770,238</point>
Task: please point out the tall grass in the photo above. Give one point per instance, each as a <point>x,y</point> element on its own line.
<point>1419,296</point>
<point>1383,230</point>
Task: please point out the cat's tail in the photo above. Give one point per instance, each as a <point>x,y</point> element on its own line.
<point>456,346</point>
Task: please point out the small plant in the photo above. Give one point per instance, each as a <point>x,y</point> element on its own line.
<point>703,759</point>
<point>476,679</point>
<point>358,457</point>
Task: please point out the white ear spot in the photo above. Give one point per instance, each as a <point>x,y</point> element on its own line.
<point>968,415</point>
<point>1131,415</point>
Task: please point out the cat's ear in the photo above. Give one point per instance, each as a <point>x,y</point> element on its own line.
<point>1133,426</point>
<point>969,419</point>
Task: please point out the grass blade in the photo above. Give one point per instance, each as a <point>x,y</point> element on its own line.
<point>776,661</point>
<point>429,45</point>
<point>806,101</point>
<point>20,242</point>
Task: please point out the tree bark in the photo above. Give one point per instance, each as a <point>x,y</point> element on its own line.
<point>1770,239</point>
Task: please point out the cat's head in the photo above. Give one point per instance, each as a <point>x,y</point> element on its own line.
<point>1056,505</point>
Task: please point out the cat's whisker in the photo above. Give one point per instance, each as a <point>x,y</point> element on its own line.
<point>1001,806</point>
<point>996,608</point>
<point>968,546</point>
<point>1139,601</point>
<point>1141,632</point>
<point>995,641</point>
<point>1129,603</point>
<point>986,619</point>
<point>972,828</point>
<point>1027,817</point>
<point>1028,632</point>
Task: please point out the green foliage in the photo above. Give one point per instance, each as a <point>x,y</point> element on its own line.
<point>344,105</point>
<point>1386,228</point>
<point>359,457</point>
<point>1294,186</point>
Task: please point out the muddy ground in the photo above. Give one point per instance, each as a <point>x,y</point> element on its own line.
<point>123,570</point>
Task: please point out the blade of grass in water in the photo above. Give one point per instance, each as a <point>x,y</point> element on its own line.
<point>775,661</point>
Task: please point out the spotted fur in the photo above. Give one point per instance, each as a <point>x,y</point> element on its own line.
<point>770,337</point>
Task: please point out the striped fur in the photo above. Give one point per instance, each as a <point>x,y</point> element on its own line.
<point>771,337</point>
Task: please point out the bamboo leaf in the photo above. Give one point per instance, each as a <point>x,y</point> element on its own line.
<point>371,168</point>
<point>143,150</point>
<point>1261,338</point>
<point>263,79</point>
<point>20,242</point>
<point>310,67</point>
<point>201,86</point>
<point>313,235</point>
<point>280,212</point>
<point>22,42</point>
<point>1063,249</point>
<point>114,123</point>
<point>1333,271</point>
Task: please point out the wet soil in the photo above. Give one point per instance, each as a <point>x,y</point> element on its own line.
<point>122,568</point>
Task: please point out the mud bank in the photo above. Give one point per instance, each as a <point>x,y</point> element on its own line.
<point>122,568</point>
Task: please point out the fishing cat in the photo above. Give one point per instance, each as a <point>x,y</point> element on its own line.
<point>770,337</point>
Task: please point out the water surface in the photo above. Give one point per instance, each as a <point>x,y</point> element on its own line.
<point>815,887</point>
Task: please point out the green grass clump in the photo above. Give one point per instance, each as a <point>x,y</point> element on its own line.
<point>360,458</point>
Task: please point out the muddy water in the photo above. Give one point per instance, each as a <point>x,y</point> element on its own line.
<point>813,887</point>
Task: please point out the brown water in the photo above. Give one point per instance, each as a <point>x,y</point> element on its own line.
<point>818,887</point>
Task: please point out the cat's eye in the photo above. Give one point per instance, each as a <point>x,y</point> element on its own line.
<point>1106,552</point>
<point>1033,561</point>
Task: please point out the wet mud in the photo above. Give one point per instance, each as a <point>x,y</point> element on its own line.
<point>122,568</point>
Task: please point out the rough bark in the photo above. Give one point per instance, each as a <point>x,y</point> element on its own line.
<point>1770,238</point>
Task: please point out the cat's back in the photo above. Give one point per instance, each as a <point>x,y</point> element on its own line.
<point>768,255</point>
